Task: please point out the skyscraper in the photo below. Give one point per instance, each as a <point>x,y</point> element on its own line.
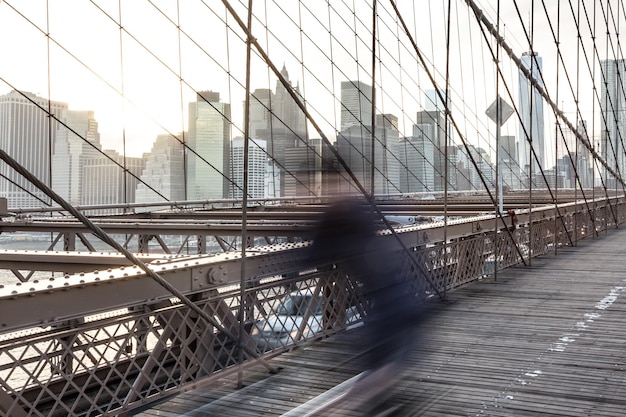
<point>578,157</point>
<point>354,142</point>
<point>277,112</point>
<point>108,180</point>
<point>76,141</point>
<point>260,113</point>
<point>417,162</point>
<point>531,113</point>
<point>27,134</point>
<point>208,160</point>
<point>431,125</point>
<point>163,172</point>
<point>257,168</point>
<point>277,119</point>
<point>304,165</point>
<point>483,166</point>
<point>508,159</point>
<point>613,120</point>
<point>287,112</point>
<point>356,105</point>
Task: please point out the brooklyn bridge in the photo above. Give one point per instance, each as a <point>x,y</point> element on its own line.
<point>164,168</point>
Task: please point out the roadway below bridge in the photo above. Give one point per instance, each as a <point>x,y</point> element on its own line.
<point>545,339</point>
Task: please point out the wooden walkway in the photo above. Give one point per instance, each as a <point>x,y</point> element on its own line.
<point>548,339</point>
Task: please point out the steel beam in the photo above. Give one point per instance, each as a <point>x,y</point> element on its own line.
<point>70,261</point>
<point>76,295</point>
<point>73,296</point>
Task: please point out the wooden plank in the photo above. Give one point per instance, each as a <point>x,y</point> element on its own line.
<point>545,339</point>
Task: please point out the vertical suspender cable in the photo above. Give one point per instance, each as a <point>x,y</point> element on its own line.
<point>182,104</point>
<point>50,143</point>
<point>312,152</point>
<point>373,121</point>
<point>622,154</point>
<point>244,201</point>
<point>618,67</point>
<point>593,119</point>
<point>555,200</point>
<point>124,161</point>
<point>530,131</point>
<point>119,5</point>
<point>585,181</point>
<point>607,138</point>
<point>49,124</point>
<point>613,140</point>
<point>498,141</point>
<point>579,182</point>
<point>446,133</point>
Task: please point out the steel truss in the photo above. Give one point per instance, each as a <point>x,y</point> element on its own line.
<point>109,341</point>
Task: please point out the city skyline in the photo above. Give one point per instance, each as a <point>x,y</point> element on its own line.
<point>213,167</point>
<point>86,174</point>
<point>158,70</point>
<point>431,100</point>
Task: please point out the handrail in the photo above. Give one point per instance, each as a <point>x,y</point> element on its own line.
<point>117,331</point>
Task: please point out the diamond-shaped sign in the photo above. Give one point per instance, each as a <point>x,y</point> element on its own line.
<point>505,108</point>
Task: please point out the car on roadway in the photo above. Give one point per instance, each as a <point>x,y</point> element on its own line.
<point>282,327</point>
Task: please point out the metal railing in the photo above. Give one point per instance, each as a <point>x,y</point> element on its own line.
<point>108,342</point>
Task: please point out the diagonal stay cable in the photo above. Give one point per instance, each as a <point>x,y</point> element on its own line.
<point>294,96</point>
<point>557,112</point>
<point>454,124</point>
<point>63,123</point>
<point>227,71</point>
<point>119,93</point>
<point>485,24</point>
<point>136,261</point>
<point>541,90</point>
<point>527,133</point>
<point>591,71</point>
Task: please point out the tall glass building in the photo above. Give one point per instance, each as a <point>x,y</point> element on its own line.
<point>431,125</point>
<point>163,173</point>
<point>27,134</point>
<point>208,160</point>
<point>106,182</point>
<point>276,118</point>
<point>356,105</point>
<point>354,142</point>
<point>417,157</point>
<point>613,120</point>
<point>531,112</point>
<point>76,141</point>
<point>257,168</point>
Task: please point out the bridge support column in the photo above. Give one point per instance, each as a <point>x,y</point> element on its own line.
<point>69,241</point>
<point>143,242</point>
<point>201,244</point>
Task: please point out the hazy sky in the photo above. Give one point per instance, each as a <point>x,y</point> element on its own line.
<point>140,79</point>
